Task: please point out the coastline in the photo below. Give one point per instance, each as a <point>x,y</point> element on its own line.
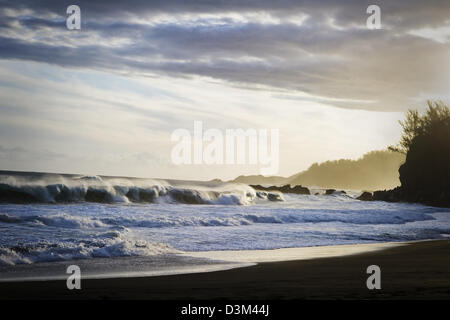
<point>413,270</point>
<point>179,263</point>
<point>294,254</point>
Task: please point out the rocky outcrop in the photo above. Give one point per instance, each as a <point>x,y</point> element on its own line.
<point>298,189</point>
<point>394,195</point>
<point>365,196</point>
<point>329,192</point>
<point>274,197</point>
<point>429,197</point>
<point>425,175</point>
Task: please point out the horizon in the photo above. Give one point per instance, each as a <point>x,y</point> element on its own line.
<point>165,178</point>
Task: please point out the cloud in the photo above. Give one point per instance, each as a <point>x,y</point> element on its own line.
<point>103,123</point>
<point>313,47</point>
<point>108,96</point>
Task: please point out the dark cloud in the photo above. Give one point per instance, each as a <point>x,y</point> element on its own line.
<point>400,13</point>
<point>331,56</point>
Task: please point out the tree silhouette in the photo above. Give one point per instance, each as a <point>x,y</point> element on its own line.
<point>425,175</point>
<point>437,115</point>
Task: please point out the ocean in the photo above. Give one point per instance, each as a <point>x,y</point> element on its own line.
<point>117,225</point>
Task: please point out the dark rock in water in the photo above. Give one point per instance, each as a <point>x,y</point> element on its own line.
<point>424,196</point>
<point>365,196</point>
<point>394,195</point>
<point>274,197</point>
<point>333,191</point>
<point>261,194</point>
<point>298,189</point>
<point>316,194</point>
<point>271,196</point>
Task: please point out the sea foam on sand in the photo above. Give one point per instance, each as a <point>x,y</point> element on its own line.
<point>289,254</point>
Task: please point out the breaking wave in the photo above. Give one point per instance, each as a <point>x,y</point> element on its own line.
<point>107,245</point>
<point>67,217</point>
<point>67,189</point>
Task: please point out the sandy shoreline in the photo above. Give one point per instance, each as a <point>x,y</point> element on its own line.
<point>417,270</point>
<point>180,263</point>
<point>291,254</point>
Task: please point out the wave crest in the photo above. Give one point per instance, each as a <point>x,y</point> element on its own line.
<point>112,245</point>
<point>122,190</point>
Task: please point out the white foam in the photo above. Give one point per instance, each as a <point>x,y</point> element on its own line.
<point>290,254</point>
<point>231,217</point>
<point>106,246</point>
<point>58,188</point>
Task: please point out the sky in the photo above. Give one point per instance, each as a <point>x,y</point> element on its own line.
<point>105,99</point>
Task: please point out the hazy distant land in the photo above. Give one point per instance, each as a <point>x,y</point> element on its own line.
<point>375,170</point>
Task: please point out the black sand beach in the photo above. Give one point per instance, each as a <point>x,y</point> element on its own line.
<point>418,270</point>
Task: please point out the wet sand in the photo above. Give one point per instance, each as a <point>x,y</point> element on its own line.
<point>419,270</point>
